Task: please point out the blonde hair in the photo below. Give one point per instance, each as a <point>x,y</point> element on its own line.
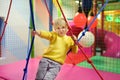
<point>59,22</point>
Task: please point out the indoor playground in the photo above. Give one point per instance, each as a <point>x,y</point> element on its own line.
<point>95,23</point>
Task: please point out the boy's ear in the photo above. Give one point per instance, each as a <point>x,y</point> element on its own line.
<point>67,29</point>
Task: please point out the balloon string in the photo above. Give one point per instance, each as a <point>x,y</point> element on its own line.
<point>6,20</point>
<point>76,42</point>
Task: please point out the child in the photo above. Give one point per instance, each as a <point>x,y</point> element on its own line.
<point>59,45</point>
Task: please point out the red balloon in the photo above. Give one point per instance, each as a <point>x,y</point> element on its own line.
<point>90,19</point>
<point>80,20</point>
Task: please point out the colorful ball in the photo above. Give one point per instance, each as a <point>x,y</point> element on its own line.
<point>87,40</point>
<point>80,20</point>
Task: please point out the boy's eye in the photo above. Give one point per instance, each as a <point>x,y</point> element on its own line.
<point>63,27</point>
<point>58,28</point>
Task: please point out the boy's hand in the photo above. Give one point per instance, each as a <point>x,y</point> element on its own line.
<point>33,33</point>
<point>74,37</point>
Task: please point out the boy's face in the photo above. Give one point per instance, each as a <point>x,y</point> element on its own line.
<point>61,30</point>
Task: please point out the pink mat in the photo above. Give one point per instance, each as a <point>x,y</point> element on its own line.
<point>70,72</point>
<point>15,71</point>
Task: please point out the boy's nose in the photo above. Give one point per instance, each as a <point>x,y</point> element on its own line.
<point>61,29</point>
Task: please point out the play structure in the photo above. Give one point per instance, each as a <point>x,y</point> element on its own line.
<point>98,57</point>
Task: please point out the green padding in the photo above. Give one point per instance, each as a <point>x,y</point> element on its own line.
<point>103,63</point>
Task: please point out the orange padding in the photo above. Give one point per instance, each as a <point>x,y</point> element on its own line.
<point>76,58</point>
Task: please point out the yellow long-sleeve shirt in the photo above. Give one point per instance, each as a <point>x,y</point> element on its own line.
<point>58,46</point>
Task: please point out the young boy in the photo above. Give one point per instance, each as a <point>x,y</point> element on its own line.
<point>59,45</point>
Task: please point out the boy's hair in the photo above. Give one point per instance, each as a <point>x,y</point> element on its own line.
<point>59,22</point>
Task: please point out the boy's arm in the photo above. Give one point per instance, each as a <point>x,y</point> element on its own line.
<point>75,49</point>
<point>75,46</point>
<point>43,34</point>
<point>35,33</point>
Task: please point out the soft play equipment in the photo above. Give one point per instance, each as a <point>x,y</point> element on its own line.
<point>100,39</point>
<point>112,43</point>
<point>73,58</point>
<point>109,42</point>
